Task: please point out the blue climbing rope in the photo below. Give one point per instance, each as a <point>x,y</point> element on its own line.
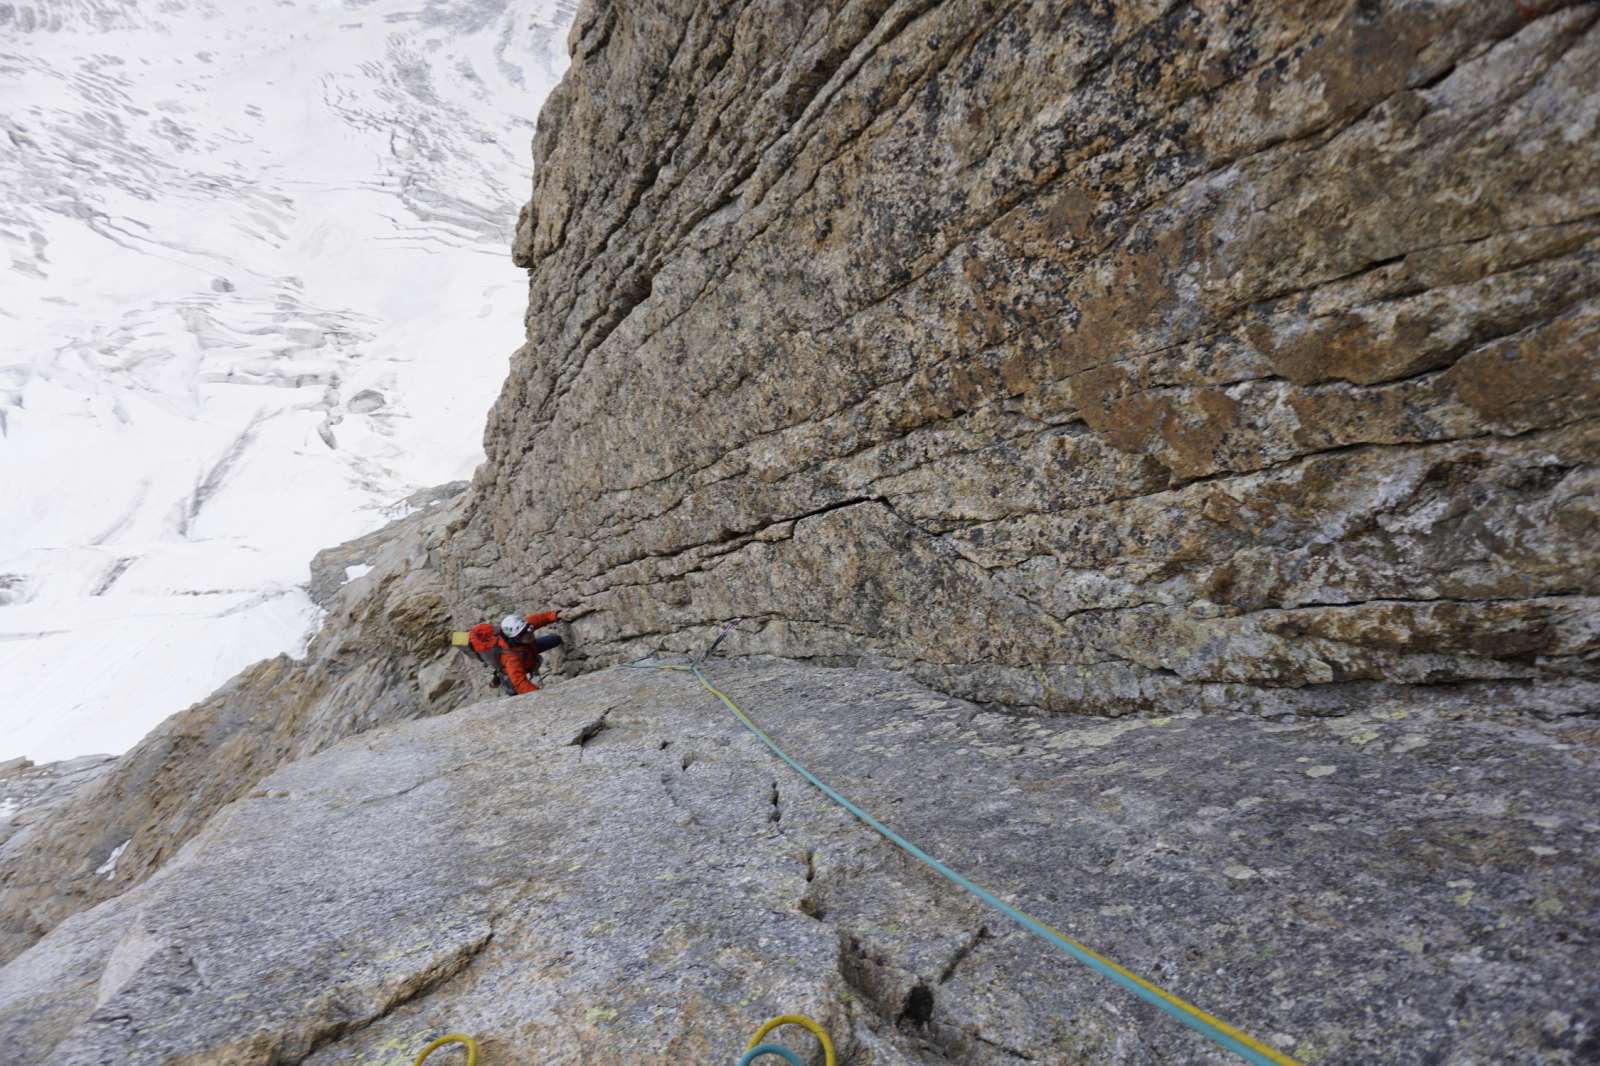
<point>770,1049</point>
<point>1215,1029</point>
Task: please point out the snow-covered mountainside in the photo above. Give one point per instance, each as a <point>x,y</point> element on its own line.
<point>258,291</point>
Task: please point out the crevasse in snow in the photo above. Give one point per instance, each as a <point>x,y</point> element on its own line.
<point>221,224</point>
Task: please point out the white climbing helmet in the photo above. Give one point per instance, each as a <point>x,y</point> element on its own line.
<point>512,625</point>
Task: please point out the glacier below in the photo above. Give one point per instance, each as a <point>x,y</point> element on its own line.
<point>256,292</point>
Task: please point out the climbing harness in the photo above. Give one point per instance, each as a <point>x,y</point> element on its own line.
<point>489,657</point>
<point>1213,1028</point>
<point>453,1038</point>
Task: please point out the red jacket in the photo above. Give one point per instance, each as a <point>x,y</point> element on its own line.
<point>517,661</point>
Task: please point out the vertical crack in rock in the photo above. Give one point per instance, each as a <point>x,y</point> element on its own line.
<point>414,987</point>
<point>811,902</point>
<point>918,1008</point>
<point>589,732</point>
<point>962,952</point>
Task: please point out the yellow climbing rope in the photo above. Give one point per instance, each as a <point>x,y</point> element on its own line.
<point>453,1038</point>
<point>801,1020</point>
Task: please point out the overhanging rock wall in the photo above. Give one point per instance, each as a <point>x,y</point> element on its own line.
<point>1170,356</point>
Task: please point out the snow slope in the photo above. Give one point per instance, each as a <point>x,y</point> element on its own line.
<point>258,290</point>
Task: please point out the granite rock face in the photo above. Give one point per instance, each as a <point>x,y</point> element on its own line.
<point>1095,358</point>
<point>331,568</point>
<point>615,871</point>
<point>1224,374</point>
<point>29,792</point>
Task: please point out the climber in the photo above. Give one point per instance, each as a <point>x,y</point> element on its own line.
<point>512,650</point>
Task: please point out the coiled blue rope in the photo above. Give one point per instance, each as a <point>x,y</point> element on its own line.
<point>770,1049</point>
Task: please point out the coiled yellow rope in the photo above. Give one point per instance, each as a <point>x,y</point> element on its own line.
<point>801,1020</point>
<point>453,1038</point>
